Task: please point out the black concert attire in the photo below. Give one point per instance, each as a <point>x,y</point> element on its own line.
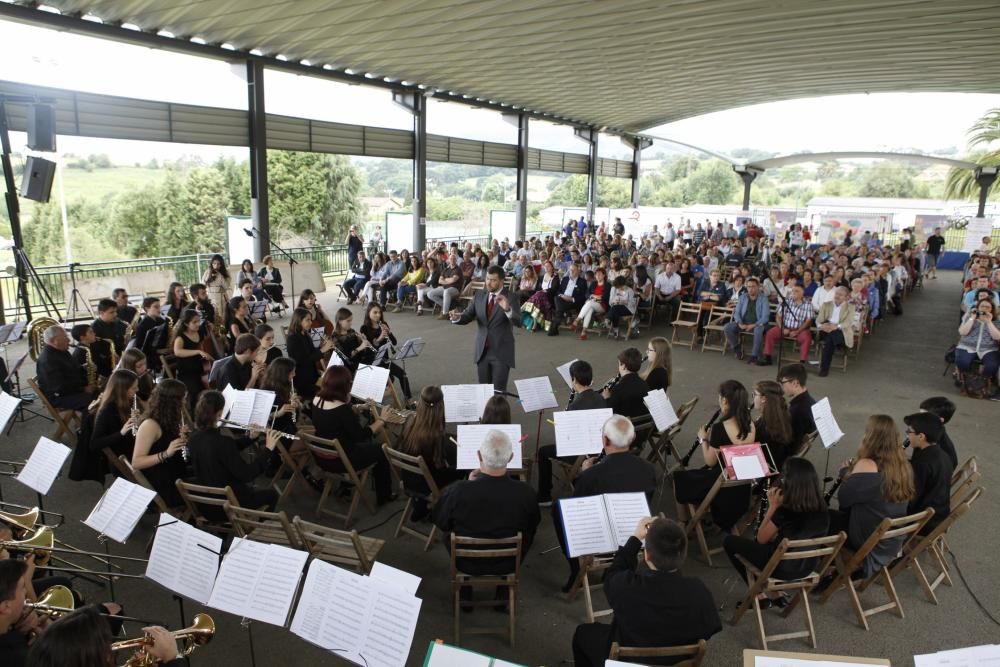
<point>164,475</point>
<point>780,451</point>
<point>587,399</point>
<point>216,461</point>
<point>233,372</point>
<point>932,472</point>
<point>395,370</point>
<point>658,379</point>
<point>13,649</point>
<point>792,526</point>
<point>489,508</point>
<point>243,326</point>
<point>691,486</point>
<point>273,353</point>
<point>271,281</point>
<point>344,425</point>
<point>949,447</point>
<point>107,433</point>
<point>800,410</point>
<point>347,343</point>
<point>443,474</point>
<point>626,396</point>
<point>62,380</point>
<point>127,313</point>
<point>141,332</point>
<point>362,271</point>
<point>652,608</point>
<point>190,369</point>
<point>306,357</point>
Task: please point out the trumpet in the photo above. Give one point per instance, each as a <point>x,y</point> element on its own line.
<point>231,424</point>
<point>199,633</point>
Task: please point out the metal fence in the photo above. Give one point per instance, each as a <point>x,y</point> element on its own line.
<point>954,238</point>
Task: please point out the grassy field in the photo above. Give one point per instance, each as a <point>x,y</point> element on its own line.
<point>94,185</point>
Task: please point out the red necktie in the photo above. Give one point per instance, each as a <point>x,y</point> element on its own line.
<point>489,307</point>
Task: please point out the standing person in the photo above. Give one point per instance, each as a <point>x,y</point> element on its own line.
<point>935,242</point>
<point>190,365</point>
<point>218,283</point>
<point>355,244</point>
<point>305,355</point>
<point>493,311</point>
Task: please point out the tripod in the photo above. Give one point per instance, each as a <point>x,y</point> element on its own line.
<point>75,297</point>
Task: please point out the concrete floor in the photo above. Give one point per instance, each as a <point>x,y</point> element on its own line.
<point>899,366</point>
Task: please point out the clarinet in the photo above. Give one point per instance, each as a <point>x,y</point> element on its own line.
<point>572,396</point>
<point>762,508</point>
<point>610,384</point>
<point>690,453</point>
<point>836,485</point>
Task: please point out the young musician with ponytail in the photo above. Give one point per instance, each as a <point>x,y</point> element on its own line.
<point>159,440</point>
<point>425,436</point>
<point>774,426</point>
<point>306,356</point>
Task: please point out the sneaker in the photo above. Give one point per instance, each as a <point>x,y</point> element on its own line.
<point>442,316</point>
<point>766,361</point>
<point>420,310</point>
<point>739,353</point>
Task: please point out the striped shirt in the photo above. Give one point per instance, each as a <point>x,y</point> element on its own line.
<point>797,314</point>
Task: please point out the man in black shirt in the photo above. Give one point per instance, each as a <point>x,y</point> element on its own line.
<point>932,469</point>
<point>62,380</point>
<point>110,332</point>
<point>942,408</point>
<point>241,370</point>
<point>656,606</point>
<point>935,242</point>
<point>14,623</point>
<point>126,311</point>
<point>625,398</point>
<point>793,381</point>
<point>490,505</point>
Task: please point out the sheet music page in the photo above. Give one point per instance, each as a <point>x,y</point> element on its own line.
<point>335,359</point>
<point>826,424</point>
<point>443,655</point>
<point>123,521</point>
<point>184,559</point>
<point>471,436</point>
<point>44,464</point>
<point>461,402</point>
<point>229,393</point>
<point>578,432</point>
<point>242,408</point>
<point>391,576</point>
<point>391,621</point>
<point>315,602</point>
<point>8,406</point>
<point>564,372</point>
<point>747,467</point>
<point>370,382</point>
<point>782,661</point>
<point>661,409</point>
<point>987,655</point>
<point>258,581</point>
<point>585,522</point>
<point>624,511</point>
<point>536,393</point>
<point>263,401</point>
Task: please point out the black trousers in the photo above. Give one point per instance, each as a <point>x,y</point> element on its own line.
<point>396,371</point>
<point>546,453</point>
<point>591,644</point>
<point>831,341</point>
<point>617,312</point>
<point>492,371</point>
<point>388,287</point>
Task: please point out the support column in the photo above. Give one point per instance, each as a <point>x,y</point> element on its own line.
<point>637,144</point>
<point>416,104</point>
<point>590,135</point>
<point>257,127</point>
<point>985,177</point>
<point>14,213</point>
<point>748,174</point>
<point>521,229</point>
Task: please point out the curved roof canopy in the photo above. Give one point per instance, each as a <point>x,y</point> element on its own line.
<point>625,65</point>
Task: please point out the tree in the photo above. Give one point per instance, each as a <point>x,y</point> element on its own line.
<point>493,191</point>
<point>886,179</point>
<point>613,192</point>
<point>713,182</point>
<point>828,169</point>
<point>569,191</point>
<point>343,206</point>
<point>134,221</point>
<point>205,203</point>
<point>961,183</point>
<point>236,176</point>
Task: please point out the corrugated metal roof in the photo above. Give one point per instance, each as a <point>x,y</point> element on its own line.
<point>624,64</point>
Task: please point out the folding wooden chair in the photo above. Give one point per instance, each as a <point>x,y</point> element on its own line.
<point>288,465</point>
<point>351,475</point>
<point>591,565</point>
<point>963,479</point>
<point>644,427</point>
<point>693,654</point>
<point>198,499</point>
<point>763,581</point>
<point>807,443</point>
<point>934,544</point>
<point>568,471</point>
<point>116,464</point>
<point>847,562</point>
<point>717,321</point>
<point>66,420</point>
<point>478,548</point>
<point>687,318</point>
<point>662,446</point>
<point>415,465</point>
<point>342,547</point>
<point>699,512</point>
<point>470,290</point>
<point>259,526</point>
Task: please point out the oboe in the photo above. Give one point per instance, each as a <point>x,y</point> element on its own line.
<point>697,441</point>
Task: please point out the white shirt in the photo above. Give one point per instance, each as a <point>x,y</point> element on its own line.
<point>821,296</point>
<point>668,284</point>
<point>570,286</point>
<point>835,315</point>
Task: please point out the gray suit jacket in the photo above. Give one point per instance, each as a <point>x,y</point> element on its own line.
<point>498,330</point>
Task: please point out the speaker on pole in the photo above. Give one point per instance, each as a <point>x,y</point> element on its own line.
<point>42,128</point>
<point>36,183</point>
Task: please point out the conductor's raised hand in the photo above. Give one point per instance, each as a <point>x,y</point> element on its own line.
<point>454,315</point>
<point>503,302</point>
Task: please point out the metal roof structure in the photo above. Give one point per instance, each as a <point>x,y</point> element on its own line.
<point>622,65</point>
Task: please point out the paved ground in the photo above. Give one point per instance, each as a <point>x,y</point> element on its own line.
<point>899,366</point>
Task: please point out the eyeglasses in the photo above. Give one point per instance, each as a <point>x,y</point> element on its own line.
<point>784,380</point>
<point>910,431</point>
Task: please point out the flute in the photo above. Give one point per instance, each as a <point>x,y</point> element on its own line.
<point>251,427</point>
<point>294,399</point>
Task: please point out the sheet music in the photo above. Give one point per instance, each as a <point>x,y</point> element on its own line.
<point>564,372</point>
<point>782,661</point>
<point>536,393</point>
<point>263,401</point>
<point>586,526</point>
<point>17,367</point>
<point>258,581</point>
<point>44,464</point>
<point>354,616</point>
<point>119,509</point>
<point>578,432</point>
<point>229,393</point>
<point>184,559</point>
<point>747,467</point>
<point>661,409</point>
<point>471,436</point>
<point>443,655</point>
<point>370,382</point>
<point>397,578</point>
<point>335,359</point>
<point>241,409</point>
<point>8,406</point>
<point>257,309</point>
<point>465,402</point>
<point>987,655</point>
<point>624,511</point>
<point>826,424</point>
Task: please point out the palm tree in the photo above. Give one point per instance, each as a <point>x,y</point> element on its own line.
<point>961,183</point>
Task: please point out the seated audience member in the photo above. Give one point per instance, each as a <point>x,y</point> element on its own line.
<point>932,469</point>
<point>793,381</point>
<point>714,292</point>
<point>751,315</point>
<point>572,295</point>
<point>425,436</point>
<point>943,409</point>
<point>160,438</point>
<point>490,504</point>
<point>794,319</point>
<point>733,427</point>
<point>621,305</point>
<point>667,288</point>
<point>596,303</point>
<point>660,370</point>
<point>979,341</point>
<point>270,280</point>
<point>625,398</point>
<point>62,380</point>
<point>774,425</point>
<point>216,460</point>
<point>835,322</point>
<point>241,370</point>
<point>795,511</point>
<point>615,471</point>
<point>653,606</point>
<point>878,485</point>
<point>540,306</point>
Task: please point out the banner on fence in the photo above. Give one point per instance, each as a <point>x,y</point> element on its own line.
<point>978,229</point>
<point>503,225</point>
<point>833,227</point>
<point>924,226</point>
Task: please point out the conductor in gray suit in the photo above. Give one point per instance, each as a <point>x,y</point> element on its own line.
<point>496,312</point>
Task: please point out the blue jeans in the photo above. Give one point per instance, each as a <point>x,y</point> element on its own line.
<point>988,363</point>
<point>403,290</point>
<point>732,331</point>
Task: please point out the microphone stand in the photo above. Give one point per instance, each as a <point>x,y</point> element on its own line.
<point>291,260</point>
<point>779,320</point>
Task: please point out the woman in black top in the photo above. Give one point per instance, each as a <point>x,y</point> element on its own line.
<point>425,436</point>
<point>496,410</point>
<point>190,356</point>
<point>270,280</point>
<point>774,426</point>
<point>280,378</point>
<point>135,361</point>
<point>660,370</point>
<point>308,301</point>
<point>306,356</point>
<point>113,415</point>
<point>159,440</point>
<point>176,299</point>
<point>796,511</point>
<point>216,461</point>
<point>238,320</point>
<point>268,350</point>
<point>334,418</point>
<point>377,332</point>
<point>354,348</point>
<point>734,427</point>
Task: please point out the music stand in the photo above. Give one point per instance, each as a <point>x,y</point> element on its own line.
<point>75,297</point>
<point>26,397</point>
<point>258,309</point>
<point>410,349</point>
<point>381,354</point>
<point>317,337</point>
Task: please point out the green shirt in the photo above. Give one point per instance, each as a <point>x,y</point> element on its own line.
<point>750,316</point>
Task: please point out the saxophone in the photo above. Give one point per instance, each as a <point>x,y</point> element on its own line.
<point>92,378</point>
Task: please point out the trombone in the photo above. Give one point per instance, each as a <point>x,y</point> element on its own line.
<point>10,518</point>
<point>41,543</point>
<point>53,602</point>
<point>199,633</point>
<point>15,467</point>
<point>26,522</point>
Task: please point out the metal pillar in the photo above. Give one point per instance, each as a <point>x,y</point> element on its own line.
<point>416,104</point>
<point>637,144</point>
<point>590,134</point>
<point>521,229</point>
<point>748,174</point>
<point>257,132</point>
<point>985,177</point>
<point>13,211</point>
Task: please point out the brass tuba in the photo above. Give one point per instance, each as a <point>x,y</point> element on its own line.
<point>36,331</point>
<point>199,633</point>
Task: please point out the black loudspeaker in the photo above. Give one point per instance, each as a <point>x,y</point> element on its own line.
<point>42,128</point>
<point>36,183</point>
